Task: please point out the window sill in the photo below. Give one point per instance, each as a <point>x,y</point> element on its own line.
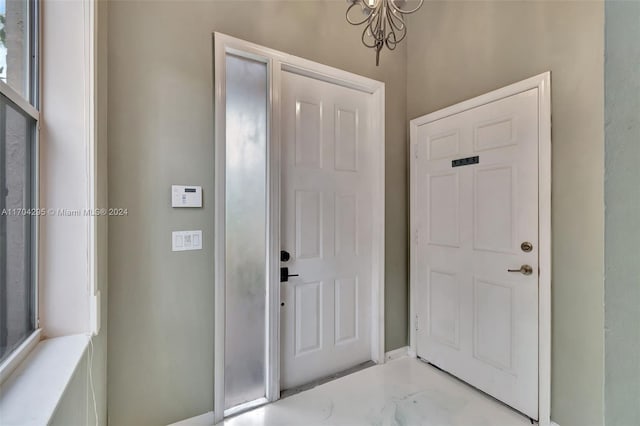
<point>32,392</point>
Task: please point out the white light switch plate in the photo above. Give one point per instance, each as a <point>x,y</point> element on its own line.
<point>186,240</point>
<point>186,196</point>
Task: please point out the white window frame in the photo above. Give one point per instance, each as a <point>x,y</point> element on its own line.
<point>68,184</point>
<point>29,107</point>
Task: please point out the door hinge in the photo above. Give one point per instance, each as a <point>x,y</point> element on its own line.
<point>416,236</point>
<point>415,150</point>
<point>416,323</point>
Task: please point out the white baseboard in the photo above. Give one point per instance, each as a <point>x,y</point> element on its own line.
<point>397,353</point>
<point>205,419</point>
<point>554,423</point>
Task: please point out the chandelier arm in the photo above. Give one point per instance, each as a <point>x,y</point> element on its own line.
<point>393,20</point>
<point>391,44</point>
<point>392,39</point>
<point>396,36</point>
<point>400,30</point>
<point>391,34</point>
<point>405,12</point>
<point>378,27</point>
<point>397,22</point>
<point>352,22</point>
<point>373,30</point>
<point>374,42</point>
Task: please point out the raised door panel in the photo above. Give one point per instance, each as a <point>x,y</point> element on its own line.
<point>346,139</point>
<point>308,317</point>
<point>346,224</point>
<point>444,308</point>
<point>495,208</point>
<point>346,310</point>
<point>308,134</point>
<point>493,323</point>
<point>308,224</point>
<point>495,133</point>
<point>443,145</point>
<point>444,209</point>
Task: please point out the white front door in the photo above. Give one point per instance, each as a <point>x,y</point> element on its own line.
<point>476,219</point>
<point>326,189</point>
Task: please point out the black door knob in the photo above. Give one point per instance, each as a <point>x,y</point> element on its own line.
<point>284,256</point>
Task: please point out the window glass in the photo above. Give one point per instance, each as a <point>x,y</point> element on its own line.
<point>14,45</point>
<point>17,317</point>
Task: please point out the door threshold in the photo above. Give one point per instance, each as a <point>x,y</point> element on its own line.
<point>246,406</point>
<point>307,386</point>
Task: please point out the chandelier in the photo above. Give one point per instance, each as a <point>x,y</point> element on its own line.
<point>384,22</point>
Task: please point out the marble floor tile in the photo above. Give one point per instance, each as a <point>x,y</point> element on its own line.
<point>403,392</point>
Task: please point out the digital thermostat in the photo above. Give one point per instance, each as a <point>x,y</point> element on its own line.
<point>186,196</point>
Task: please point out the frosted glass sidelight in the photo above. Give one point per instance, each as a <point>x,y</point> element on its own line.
<point>246,218</point>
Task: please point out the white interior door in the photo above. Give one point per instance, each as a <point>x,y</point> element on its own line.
<point>326,191</point>
<point>475,319</point>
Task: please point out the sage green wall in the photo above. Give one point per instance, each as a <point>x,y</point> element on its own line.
<point>457,50</point>
<point>160,353</point>
<point>622,218</point>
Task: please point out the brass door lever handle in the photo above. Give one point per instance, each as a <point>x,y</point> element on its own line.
<point>524,270</point>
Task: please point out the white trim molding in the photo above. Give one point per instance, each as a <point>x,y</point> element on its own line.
<point>67,170</point>
<point>277,63</point>
<point>205,419</point>
<point>90,20</point>
<point>543,83</point>
<point>397,353</point>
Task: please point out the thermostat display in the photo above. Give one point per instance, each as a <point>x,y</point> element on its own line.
<point>186,196</point>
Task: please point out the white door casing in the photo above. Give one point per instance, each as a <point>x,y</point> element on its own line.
<point>279,63</point>
<point>327,224</point>
<point>472,318</point>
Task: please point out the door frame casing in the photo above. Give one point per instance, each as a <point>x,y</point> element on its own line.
<point>278,62</point>
<point>543,83</point>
